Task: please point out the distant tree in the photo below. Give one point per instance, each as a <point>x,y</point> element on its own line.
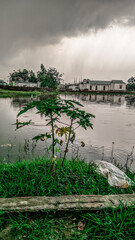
<point>24,75</point>
<point>130,87</point>
<point>50,78</point>
<point>131,84</point>
<point>32,76</point>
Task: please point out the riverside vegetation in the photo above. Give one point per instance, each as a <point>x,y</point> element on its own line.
<point>57,177</point>
<point>39,178</point>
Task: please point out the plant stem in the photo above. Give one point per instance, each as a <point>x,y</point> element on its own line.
<point>52,136</point>
<point>67,142</point>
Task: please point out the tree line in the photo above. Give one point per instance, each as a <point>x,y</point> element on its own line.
<point>50,77</point>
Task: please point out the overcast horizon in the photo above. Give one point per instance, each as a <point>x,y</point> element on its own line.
<point>83,39</point>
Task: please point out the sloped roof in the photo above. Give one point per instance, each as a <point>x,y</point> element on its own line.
<point>117,81</point>
<point>98,82</point>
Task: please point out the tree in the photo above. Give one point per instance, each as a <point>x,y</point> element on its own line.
<point>32,77</point>
<point>23,75</point>
<point>53,109</point>
<point>50,78</point>
<point>131,84</point>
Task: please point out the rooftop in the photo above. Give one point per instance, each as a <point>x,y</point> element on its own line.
<point>100,82</point>
<point>117,81</point>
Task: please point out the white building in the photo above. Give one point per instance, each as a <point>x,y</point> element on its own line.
<point>73,87</point>
<point>92,85</point>
<point>25,84</point>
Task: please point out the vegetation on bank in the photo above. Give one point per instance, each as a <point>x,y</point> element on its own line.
<point>14,93</point>
<point>42,178</point>
<point>11,93</point>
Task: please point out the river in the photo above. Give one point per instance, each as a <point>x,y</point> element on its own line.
<point>112,137</point>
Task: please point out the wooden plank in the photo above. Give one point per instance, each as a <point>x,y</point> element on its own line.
<point>65,203</point>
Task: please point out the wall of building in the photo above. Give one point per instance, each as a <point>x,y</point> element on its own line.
<point>73,87</point>
<point>98,87</point>
<point>117,87</point>
<point>84,86</point>
<point>27,84</point>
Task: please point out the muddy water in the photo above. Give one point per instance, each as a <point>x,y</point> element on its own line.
<point>112,137</point>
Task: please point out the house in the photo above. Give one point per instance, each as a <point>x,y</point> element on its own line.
<point>117,85</point>
<point>85,85</point>
<point>99,85</point>
<point>19,82</point>
<point>2,83</point>
<point>25,84</point>
<point>73,87</point>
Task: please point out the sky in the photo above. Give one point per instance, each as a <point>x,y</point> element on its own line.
<point>81,38</point>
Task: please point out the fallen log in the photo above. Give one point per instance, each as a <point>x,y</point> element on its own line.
<point>65,203</point>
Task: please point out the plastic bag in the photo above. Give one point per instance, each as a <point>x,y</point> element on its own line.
<point>115,176</point>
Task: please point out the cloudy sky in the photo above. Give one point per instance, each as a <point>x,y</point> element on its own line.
<point>81,38</point>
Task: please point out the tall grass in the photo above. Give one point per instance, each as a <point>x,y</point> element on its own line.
<point>41,178</point>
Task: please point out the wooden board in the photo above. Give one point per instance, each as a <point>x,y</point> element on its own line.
<point>65,203</point>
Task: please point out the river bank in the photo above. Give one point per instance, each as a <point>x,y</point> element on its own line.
<point>13,93</point>
<point>23,91</point>
<point>41,177</point>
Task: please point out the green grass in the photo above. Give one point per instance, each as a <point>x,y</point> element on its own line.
<point>38,178</point>
<point>107,224</point>
<point>11,93</point>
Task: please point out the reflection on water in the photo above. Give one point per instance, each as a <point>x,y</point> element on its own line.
<point>112,99</point>
<point>114,122</point>
<point>130,101</point>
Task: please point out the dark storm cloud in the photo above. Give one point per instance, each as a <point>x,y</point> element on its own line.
<point>32,23</point>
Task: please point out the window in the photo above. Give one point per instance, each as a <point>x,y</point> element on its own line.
<point>120,86</point>
<point>96,88</point>
<point>104,88</point>
<point>119,100</point>
<point>90,87</point>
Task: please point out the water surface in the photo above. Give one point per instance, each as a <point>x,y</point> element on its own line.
<point>113,126</point>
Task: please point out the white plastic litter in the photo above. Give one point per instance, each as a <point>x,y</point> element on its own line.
<point>115,176</point>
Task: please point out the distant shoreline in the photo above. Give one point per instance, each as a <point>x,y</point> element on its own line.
<point>9,91</point>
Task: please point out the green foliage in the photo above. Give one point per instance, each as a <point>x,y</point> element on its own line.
<point>38,178</point>
<point>53,109</point>
<point>115,224</point>
<point>24,74</point>
<point>130,87</point>
<point>50,78</point>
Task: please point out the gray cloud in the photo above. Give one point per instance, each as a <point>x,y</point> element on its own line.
<point>32,23</point>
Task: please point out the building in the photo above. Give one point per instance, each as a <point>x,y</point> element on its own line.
<point>73,87</point>
<point>97,85</point>
<point>19,82</point>
<point>25,84</point>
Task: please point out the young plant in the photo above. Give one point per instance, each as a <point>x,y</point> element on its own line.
<point>53,110</point>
